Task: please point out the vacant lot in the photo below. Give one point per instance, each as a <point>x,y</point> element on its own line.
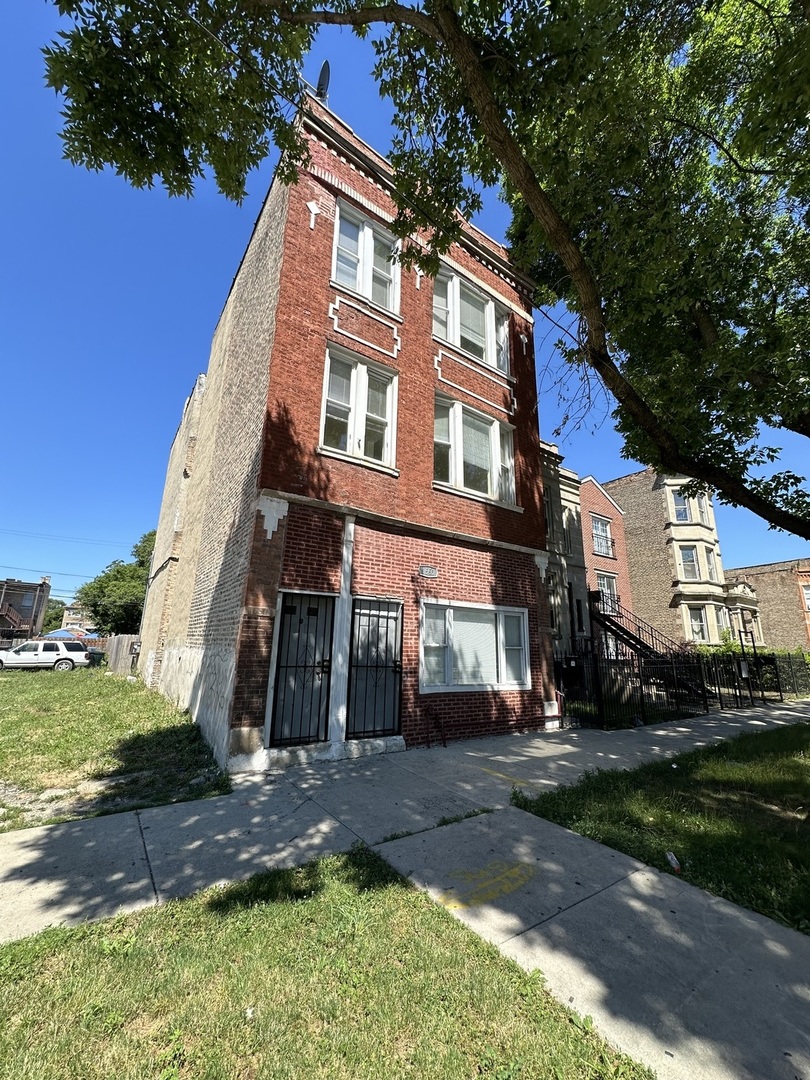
<point>735,815</point>
<point>79,743</point>
<point>339,969</point>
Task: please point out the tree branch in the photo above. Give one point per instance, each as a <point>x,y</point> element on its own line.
<point>390,13</point>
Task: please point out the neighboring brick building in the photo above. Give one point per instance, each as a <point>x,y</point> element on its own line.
<point>23,605</point>
<point>783,593</point>
<point>350,554</point>
<point>673,554</point>
<point>604,543</point>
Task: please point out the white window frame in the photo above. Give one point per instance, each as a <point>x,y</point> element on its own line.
<point>604,538</point>
<point>495,345</point>
<point>609,597</point>
<point>806,594</point>
<point>711,566</point>
<point>684,575</point>
<point>363,284</point>
<point>357,408</point>
<point>501,484</point>
<point>703,509</point>
<point>703,622</point>
<point>682,507</point>
<point>723,618</point>
<point>451,606</point>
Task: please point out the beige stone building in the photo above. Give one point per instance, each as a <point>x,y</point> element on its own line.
<point>566,572</point>
<point>676,569</point>
<point>783,593</point>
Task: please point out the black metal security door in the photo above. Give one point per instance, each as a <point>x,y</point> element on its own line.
<point>375,671</point>
<point>301,700</point>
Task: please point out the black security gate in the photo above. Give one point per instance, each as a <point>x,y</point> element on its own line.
<point>375,670</point>
<point>301,700</point>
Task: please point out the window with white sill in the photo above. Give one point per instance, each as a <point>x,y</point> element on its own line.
<point>806,593</point>
<point>703,509</point>
<point>602,540</point>
<point>469,319</point>
<point>472,452</point>
<point>474,647</point>
<point>359,408</point>
<point>689,563</point>
<point>683,511</point>
<point>364,259</point>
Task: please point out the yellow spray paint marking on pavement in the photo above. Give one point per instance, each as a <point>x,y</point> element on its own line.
<point>517,781</point>
<point>492,881</point>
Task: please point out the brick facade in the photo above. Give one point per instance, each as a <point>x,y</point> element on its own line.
<point>271,512</point>
<point>596,503</point>
<point>783,593</point>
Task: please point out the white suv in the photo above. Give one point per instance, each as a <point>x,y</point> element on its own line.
<point>59,655</point>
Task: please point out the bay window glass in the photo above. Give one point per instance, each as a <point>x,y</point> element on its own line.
<point>682,511</point>
<point>689,562</point>
<point>697,624</point>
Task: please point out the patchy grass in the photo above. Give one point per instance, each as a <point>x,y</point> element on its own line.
<point>736,815</point>
<point>337,970</point>
<point>80,743</point>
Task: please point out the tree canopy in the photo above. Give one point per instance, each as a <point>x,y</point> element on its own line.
<point>116,597</point>
<point>54,613</point>
<point>655,157</point>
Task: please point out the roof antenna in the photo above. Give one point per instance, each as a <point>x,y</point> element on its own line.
<point>322,89</point>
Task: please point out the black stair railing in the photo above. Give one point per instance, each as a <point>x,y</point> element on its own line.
<point>608,611</point>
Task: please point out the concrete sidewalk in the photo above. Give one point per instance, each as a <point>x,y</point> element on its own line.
<point>691,985</point>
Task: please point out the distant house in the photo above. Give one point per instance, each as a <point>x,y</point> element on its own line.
<point>783,594</point>
<point>675,568</point>
<point>351,552</point>
<point>569,622</point>
<point>74,617</point>
<point>22,608</point>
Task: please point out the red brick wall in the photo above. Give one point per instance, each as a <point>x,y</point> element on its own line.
<point>313,551</point>
<point>291,462</point>
<point>594,501</point>
<point>386,564</point>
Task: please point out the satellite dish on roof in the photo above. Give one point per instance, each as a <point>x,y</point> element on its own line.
<point>322,89</point>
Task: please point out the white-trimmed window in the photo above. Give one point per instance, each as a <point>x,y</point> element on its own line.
<point>703,509</point>
<point>711,564</point>
<point>683,511</point>
<point>602,540</point>
<point>469,319</point>
<point>472,452</point>
<point>358,408</point>
<point>697,624</point>
<point>723,620</point>
<point>806,593</point>
<point>364,258</point>
<point>474,647</point>
<point>689,563</point>
<point>607,584</point>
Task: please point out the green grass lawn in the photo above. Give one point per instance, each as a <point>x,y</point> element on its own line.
<point>736,815</point>
<point>340,969</point>
<point>78,743</point>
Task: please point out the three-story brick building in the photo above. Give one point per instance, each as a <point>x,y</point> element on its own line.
<point>351,553</point>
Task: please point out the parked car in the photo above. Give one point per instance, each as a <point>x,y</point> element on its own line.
<point>59,655</point>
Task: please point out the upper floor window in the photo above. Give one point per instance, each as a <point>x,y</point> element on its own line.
<point>806,593</point>
<point>711,564</point>
<point>472,452</point>
<point>471,320</point>
<point>703,509</point>
<point>474,647</point>
<point>358,408</point>
<point>683,511</point>
<point>602,541</point>
<point>364,258</point>
<point>689,562</point>
<point>548,514</point>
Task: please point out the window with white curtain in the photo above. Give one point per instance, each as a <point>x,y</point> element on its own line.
<point>472,452</point>
<point>364,258</point>
<point>466,647</point>
<point>471,320</point>
<point>697,624</point>
<point>689,562</point>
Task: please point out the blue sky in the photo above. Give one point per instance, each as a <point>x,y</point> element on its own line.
<point>110,297</point>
